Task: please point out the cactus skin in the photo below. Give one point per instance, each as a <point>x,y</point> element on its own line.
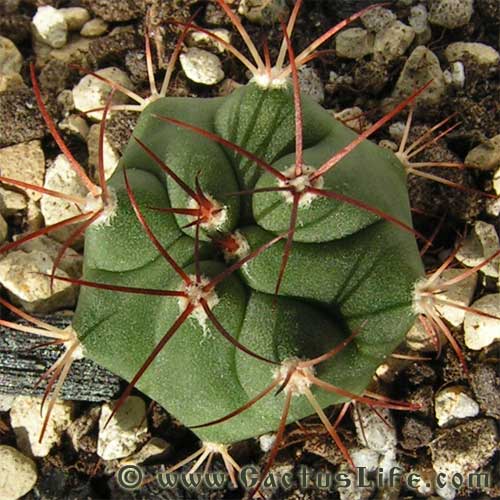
<point>347,267</point>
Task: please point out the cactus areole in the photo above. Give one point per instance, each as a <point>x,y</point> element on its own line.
<point>348,269</point>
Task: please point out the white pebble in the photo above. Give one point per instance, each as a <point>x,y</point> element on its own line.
<point>481,331</point>
<point>11,59</point>
<point>451,14</point>
<point>366,458</point>
<point>21,274</point>
<point>392,42</point>
<point>61,177</point>
<point>27,422</point>
<point>482,243</point>
<point>203,40</point>
<point>373,432</point>
<point>311,84</point>
<point>454,403</point>
<point>418,18</point>
<point>91,92</point>
<point>266,442</point>
<point>378,19</point>
<point>94,27</point>
<point>18,473</point>
<point>50,26</point>
<point>479,52</point>
<point>155,446</point>
<point>75,17</point>
<point>486,156</point>
<point>24,162</point>
<point>201,66</point>
<point>353,43</point>
<point>125,432</point>
<point>455,76</point>
<point>110,156</point>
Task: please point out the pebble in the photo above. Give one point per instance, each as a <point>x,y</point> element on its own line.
<point>50,26</point>
<point>364,457</point>
<point>74,52</point>
<point>354,119</point>
<point>378,19</point>
<point>202,40</point>
<point>125,432</point>
<point>21,121</point>
<point>6,401</point>
<point>4,230</point>
<point>12,203</point>
<point>481,331</point>
<point>463,449</point>
<point>11,59</point>
<point>392,42</point>
<point>110,156</point>
<point>80,427</point>
<point>353,43</point>
<point>485,382</point>
<point>61,177</point>
<point>24,162</point>
<point>154,447</point>
<point>460,293</point>
<point>456,75</point>
<point>75,17</point>
<point>454,403</point>
<point>263,11</point>
<point>90,92</point>
<point>482,54</point>
<point>351,490</point>
<point>20,276</point>
<point>486,156</point>
<point>266,442</point>
<point>311,84</point>
<point>11,81</point>
<point>18,473</point>
<point>451,14</point>
<point>27,423</point>
<point>421,67</point>
<point>201,66</point>
<point>115,10</point>
<point>481,243</point>
<point>373,432</point>
<point>418,18</point>
<point>75,125</point>
<point>94,27</point>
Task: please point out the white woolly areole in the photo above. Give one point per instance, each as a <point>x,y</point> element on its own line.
<point>215,447</point>
<point>243,247</point>
<point>78,351</point>
<point>217,219</point>
<point>298,383</point>
<point>95,203</point>
<point>421,301</point>
<point>195,293</point>
<point>300,184</point>
<point>270,80</point>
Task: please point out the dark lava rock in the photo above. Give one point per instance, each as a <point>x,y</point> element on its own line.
<point>119,129</point>
<point>55,77</point>
<point>116,10</point>
<point>418,373</point>
<point>15,26</point>
<point>21,121</point>
<point>370,77</point>
<point>415,434</point>
<point>112,48</point>
<point>485,382</point>
<point>424,397</point>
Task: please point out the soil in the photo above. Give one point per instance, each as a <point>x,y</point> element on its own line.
<point>67,473</point>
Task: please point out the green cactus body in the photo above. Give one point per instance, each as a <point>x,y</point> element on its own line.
<point>348,270</point>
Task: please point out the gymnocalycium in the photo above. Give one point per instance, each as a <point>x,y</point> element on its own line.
<point>251,260</point>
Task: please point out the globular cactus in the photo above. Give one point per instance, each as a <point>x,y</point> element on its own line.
<point>247,244</point>
<point>320,244</point>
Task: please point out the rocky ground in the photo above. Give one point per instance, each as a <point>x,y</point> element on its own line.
<point>371,65</point>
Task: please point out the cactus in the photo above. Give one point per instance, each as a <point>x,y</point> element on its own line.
<point>244,244</point>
